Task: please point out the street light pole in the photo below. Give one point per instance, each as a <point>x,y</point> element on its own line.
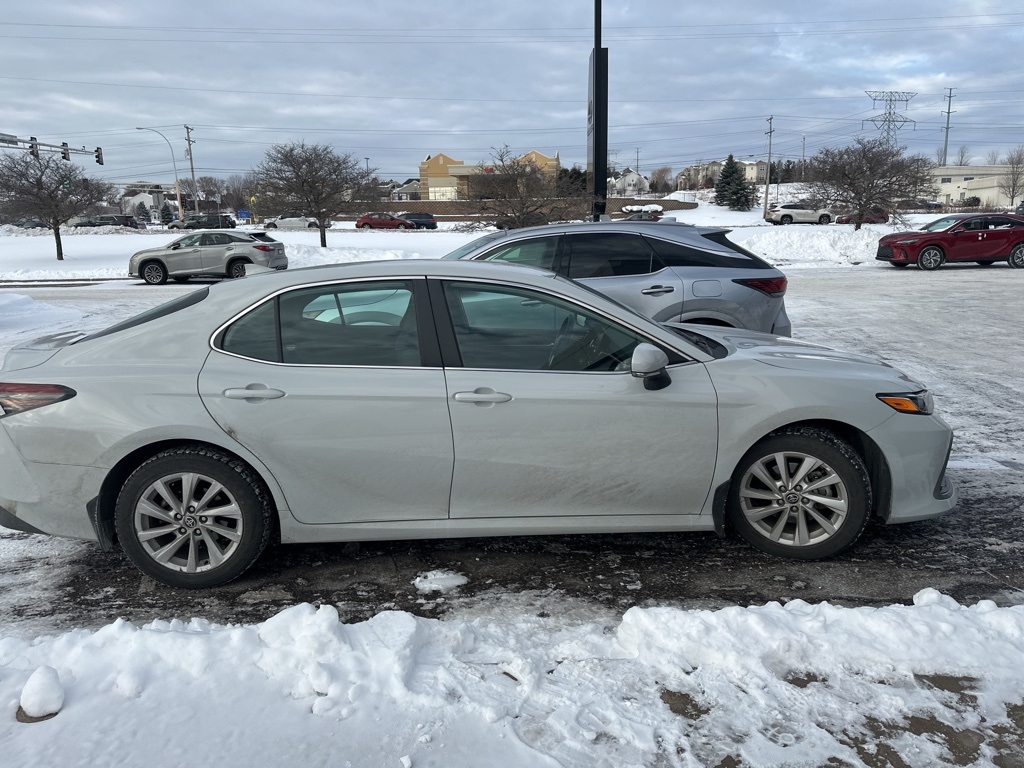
<point>177,186</point>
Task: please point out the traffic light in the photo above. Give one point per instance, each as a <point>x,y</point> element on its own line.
<point>33,146</point>
<point>65,152</point>
<point>99,155</point>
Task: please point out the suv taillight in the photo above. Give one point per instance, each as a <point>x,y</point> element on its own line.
<point>773,286</point>
<point>265,248</point>
<point>18,398</point>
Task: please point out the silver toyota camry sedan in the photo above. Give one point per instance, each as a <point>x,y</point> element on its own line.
<point>431,398</point>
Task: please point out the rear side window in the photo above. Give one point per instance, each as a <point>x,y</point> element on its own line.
<point>536,252</point>
<point>721,252</point>
<point>608,255</point>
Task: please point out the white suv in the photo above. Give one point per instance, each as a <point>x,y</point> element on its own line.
<point>797,213</point>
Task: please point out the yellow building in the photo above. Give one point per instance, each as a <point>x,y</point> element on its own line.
<point>444,178</point>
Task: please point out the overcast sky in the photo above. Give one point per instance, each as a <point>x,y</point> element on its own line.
<point>396,81</point>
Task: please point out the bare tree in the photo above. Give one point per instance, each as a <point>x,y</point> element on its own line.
<point>868,173</point>
<point>517,193</point>
<point>992,158</point>
<point>47,188</point>
<point>661,180</point>
<point>1011,183</point>
<point>940,156</point>
<point>210,188</point>
<point>963,155</point>
<point>239,190</point>
<point>311,179</point>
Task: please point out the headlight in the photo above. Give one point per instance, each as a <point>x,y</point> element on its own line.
<point>911,241</point>
<point>910,402</point>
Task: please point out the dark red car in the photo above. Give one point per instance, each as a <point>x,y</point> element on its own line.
<point>383,221</point>
<point>983,238</point>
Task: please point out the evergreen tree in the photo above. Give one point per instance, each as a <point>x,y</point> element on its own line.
<point>142,212</point>
<point>166,217</point>
<point>732,189</point>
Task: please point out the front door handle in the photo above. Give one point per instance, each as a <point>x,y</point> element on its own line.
<point>657,290</point>
<point>484,395</point>
<point>253,393</point>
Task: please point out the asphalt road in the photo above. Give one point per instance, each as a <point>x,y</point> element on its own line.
<point>956,330</point>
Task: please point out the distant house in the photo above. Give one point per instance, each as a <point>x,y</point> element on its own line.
<point>705,175</point>
<point>627,183</point>
<point>445,178</point>
<point>408,190</point>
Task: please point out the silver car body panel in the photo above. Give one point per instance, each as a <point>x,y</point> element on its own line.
<point>392,444</point>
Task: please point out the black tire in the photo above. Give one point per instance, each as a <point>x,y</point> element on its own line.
<point>270,225</point>
<point>824,219</point>
<point>1016,258</point>
<point>153,272</point>
<point>181,278</point>
<point>236,268</point>
<point>786,220</point>
<point>900,264</point>
<point>311,225</point>
<point>930,258</point>
<point>364,226</point>
<point>170,539</point>
<point>785,519</point>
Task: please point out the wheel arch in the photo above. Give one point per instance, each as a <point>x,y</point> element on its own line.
<point>101,508</point>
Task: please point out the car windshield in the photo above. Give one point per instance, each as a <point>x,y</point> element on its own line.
<point>458,253</point>
<point>939,224</point>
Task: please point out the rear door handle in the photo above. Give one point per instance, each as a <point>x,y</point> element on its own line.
<point>253,393</point>
<point>657,290</point>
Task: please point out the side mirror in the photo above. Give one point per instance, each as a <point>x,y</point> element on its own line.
<point>649,363</point>
<point>176,246</point>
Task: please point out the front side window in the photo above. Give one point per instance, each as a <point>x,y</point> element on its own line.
<point>609,254</point>
<point>365,324</point>
<point>190,241</point>
<point>518,329</point>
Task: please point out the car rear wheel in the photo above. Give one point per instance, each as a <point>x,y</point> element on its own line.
<point>193,517</point>
<point>364,226</point>
<point>930,258</point>
<point>1016,259</point>
<point>236,268</point>
<point>824,219</point>
<point>786,220</point>
<point>154,273</point>
<point>311,225</point>
<point>800,493</point>
<point>270,225</point>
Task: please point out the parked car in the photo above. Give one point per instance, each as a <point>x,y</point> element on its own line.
<point>875,214</point>
<point>919,204</point>
<point>981,238</point>
<point>643,216</point>
<point>291,221</point>
<point>205,221</point>
<point>31,224</point>
<point>216,253</point>
<point>452,399</point>
<point>670,272</point>
<point>110,220</point>
<point>383,221</point>
<point>1020,208</point>
<point>421,220</point>
<point>797,213</point>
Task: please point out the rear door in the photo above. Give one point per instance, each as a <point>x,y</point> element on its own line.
<point>624,266</point>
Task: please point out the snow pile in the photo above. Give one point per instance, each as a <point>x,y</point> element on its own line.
<point>795,685</point>
<point>312,255</point>
<point>18,312</point>
<point>438,581</point>
<point>814,246</point>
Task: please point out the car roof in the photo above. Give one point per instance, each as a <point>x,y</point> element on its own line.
<point>668,227</point>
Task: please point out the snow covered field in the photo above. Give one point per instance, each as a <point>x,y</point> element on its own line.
<point>799,684</point>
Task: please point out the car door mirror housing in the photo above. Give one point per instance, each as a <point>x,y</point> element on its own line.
<point>649,363</point>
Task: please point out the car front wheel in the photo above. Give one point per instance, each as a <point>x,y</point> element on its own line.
<point>193,517</point>
<point>801,493</point>
<point>824,219</point>
<point>1016,259</point>
<point>930,258</point>
<point>154,273</point>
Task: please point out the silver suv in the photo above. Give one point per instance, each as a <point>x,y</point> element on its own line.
<point>216,253</point>
<point>670,272</point>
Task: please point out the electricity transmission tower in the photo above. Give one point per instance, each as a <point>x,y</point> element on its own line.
<point>889,122</point>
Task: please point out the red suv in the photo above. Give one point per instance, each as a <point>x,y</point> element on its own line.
<point>383,221</point>
<point>979,237</point>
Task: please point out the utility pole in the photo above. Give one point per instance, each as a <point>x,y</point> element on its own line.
<point>192,167</point>
<point>947,113</point>
<point>768,171</point>
<point>803,156</point>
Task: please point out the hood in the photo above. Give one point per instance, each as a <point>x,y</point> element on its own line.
<point>33,353</point>
<point>145,251</point>
<point>913,234</point>
<point>784,352</point>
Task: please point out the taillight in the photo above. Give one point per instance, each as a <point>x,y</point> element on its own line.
<point>773,286</point>
<point>265,248</point>
<point>18,398</point>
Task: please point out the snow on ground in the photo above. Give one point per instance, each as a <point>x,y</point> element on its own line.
<point>798,684</point>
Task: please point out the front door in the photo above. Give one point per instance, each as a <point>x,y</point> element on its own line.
<point>548,421</point>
